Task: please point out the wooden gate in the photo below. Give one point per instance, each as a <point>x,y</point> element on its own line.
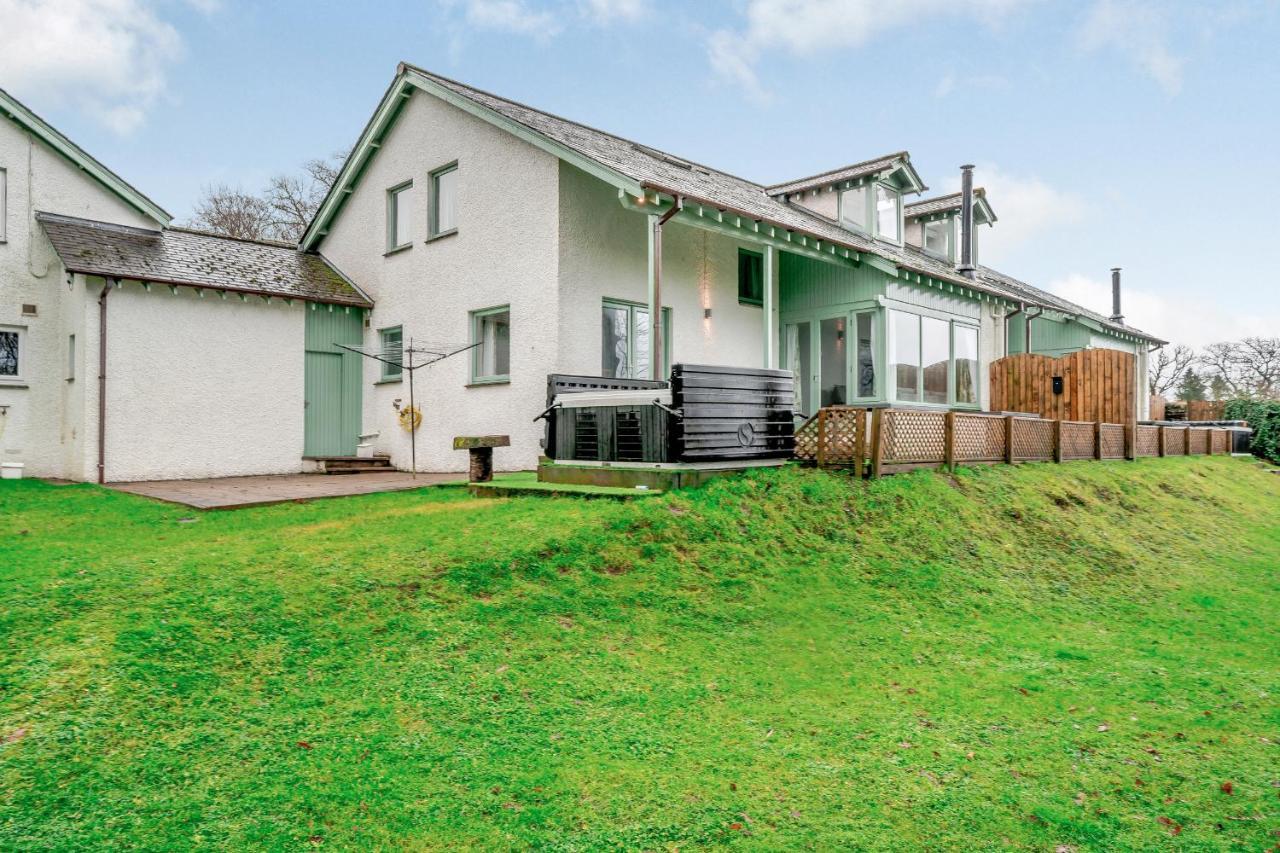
<point>1095,385</point>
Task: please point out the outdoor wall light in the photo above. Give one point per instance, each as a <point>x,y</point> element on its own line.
<point>706,313</point>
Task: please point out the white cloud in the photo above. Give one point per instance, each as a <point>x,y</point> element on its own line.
<point>1025,206</point>
<point>108,57</point>
<point>514,16</point>
<point>803,27</point>
<point>1165,316</point>
<point>607,11</point>
<point>1138,30</point>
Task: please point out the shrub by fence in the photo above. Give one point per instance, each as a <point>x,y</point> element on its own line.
<point>1264,417</point>
<point>884,441</point>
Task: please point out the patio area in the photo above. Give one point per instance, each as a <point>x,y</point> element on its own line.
<point>238,492</point>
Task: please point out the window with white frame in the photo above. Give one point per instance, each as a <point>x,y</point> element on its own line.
<point>491,332</point>
<point>391,350</point>
<point>853,209</point>
<point>11,355</point>
<point>888,212</point>
<point>933,361</point>
<point>399,224</point>
<point>624,340</point>
<point>444,200</point>
<point>937,238</point>
<point>865,354</point>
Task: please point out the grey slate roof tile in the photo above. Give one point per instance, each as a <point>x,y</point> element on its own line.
<point>198,259</point>
<point>834,176</point>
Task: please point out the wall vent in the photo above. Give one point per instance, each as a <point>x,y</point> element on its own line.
<point>29,310</point>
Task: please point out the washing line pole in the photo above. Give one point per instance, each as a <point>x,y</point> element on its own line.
<point>413,413</point>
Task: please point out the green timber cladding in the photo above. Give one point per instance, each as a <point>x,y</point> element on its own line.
<point>332,379</point>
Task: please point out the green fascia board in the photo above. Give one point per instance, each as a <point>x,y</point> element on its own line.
<point>80,158</point>
<point>388,112</point>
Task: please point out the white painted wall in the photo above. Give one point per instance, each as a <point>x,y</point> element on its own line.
<point>44,426</point>
<point>504,253</point>
<point>199,387</point>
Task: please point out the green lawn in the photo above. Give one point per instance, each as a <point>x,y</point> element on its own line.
<point>1084,655</point>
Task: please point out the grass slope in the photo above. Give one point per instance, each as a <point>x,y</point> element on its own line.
<point>1077,655</point>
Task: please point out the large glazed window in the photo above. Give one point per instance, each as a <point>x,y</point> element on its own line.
<point>799,362</point>
<point>966,359</point>
<point>624,340</point>
<point>865,378</point>
<point>935,354</point>
<point>491,331</point>
<point>888,212</point>
<point>444,200</point>
<point>937,238</point>
<point>399,230</point>
<point>834,362</point>
<point>853,209</point>
<point>906,356</point>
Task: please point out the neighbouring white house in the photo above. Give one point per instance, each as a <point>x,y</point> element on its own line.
<point>462,219</point>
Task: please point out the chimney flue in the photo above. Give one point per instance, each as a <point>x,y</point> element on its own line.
<point>1116,316</point>
<point>966,267</point>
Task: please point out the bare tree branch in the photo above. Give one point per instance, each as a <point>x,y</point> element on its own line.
<point>295,199</point>
<point>1167,367</point>
<point>233,213</point>
<point>1249,368</point>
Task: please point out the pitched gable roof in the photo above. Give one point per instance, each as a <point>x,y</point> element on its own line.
<point>19,113</point>
<point>946,203</point>
<point>878,165</point>
<point>180,256</point>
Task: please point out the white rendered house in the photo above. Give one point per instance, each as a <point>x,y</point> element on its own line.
<point>462,219</point>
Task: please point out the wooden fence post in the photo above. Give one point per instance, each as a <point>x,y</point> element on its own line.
<point>1208,445</point>
<point>1161,434</point>
<point>1008,439</point>
<point>1130,436</point>
<point>949,441</point>
<point>820,452</point>
<point>1097,440</point>
<point>1057,440</point>
<point>877,427</point>
<point>860,442</point>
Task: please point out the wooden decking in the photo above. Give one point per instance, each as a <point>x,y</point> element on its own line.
<point>881,441</point>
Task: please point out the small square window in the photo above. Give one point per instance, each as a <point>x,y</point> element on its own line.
<point>491,333</point>
<point>444,200</point>
<point>391,350</point>
<point>399,226</point>
<point>750,277</point>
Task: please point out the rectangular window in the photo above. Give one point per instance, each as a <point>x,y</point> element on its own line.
<point>399,226</point>
<point>444,200</point>
<point>833,361</point>
<point>391,350</point>
<point>798,361</point>
<point>935,358</point>
<point>750,277</point>
<point>71,357</point>
<point>10,352</point>
<point>973,245</point>
<point>888,212</point>
<point>937,238</point>
<point>491,330</point>
<point>624,340</point>
<point>866,355</point>
<point>905,368</point>
<point>4,204</point>
<point>853,208</point>
<point>966,359</point>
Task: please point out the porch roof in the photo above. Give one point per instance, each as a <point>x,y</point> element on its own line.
<point>182,257</point>
<point>1024,292</point>
<point>948,203</point>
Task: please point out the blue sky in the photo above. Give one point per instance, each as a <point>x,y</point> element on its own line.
<point>1108,132</point>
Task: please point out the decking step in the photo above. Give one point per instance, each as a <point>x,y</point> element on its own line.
<point>354,464</point>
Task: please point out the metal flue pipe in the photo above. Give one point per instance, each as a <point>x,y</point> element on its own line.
<point>966,266</point>
<point>1116,315</point>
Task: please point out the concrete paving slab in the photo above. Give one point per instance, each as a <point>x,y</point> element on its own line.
<point>238,492</point>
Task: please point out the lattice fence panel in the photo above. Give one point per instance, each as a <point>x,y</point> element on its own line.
<point>1198,440</point>
<point>1032,439</point>
<point>979,438</point>
<point>1175,441</point>
<point>1221,441</point>
<point>807,440</point>
<point>1113,441</point>
<point>909,437</point>
<point>1077,440</point>
<point>840,436</point>
<point>1146,441</point>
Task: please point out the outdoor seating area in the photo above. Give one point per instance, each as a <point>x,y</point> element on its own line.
<point>879,441</point>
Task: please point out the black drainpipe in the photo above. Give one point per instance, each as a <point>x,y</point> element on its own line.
<point>1022,306</point>
<point>655,322</point>
<point>102,382</point>
<point>1030,317</point>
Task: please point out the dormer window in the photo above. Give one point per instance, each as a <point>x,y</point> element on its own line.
<point>853,209</point>
<point>937,238</point>
<point>888,213</point>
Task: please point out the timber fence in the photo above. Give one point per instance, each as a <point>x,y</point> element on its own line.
<point>889,440</point>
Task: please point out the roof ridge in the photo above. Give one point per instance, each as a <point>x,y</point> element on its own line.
<point>825,172</point>
<point>261,241</point>
<point>49,216</point>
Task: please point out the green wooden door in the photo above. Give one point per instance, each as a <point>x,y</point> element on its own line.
<point>332,381</point>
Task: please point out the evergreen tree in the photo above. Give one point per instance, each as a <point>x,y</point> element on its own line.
<point>1218,388</point>
<point>1192,387</point>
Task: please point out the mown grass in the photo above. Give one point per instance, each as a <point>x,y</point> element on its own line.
<point>1079,655</point>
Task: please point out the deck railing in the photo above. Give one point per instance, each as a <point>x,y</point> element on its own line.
<point>888,440</point>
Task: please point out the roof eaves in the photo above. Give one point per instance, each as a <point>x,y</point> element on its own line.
<point>118,186</point>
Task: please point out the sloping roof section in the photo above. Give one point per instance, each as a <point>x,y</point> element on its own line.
<point>118,186</point>
<point>887,163</point>
<point>1029,293</point>
<point>945,203</point>
<point>188,258</point>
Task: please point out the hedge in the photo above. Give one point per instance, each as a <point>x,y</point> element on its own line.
<point>1264,417</point>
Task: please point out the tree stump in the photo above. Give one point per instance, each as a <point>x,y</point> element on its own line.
<point>481,449</point>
